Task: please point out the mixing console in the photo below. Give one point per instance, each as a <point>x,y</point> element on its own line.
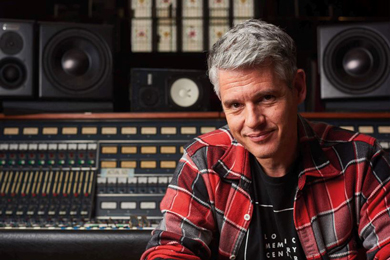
<point>102,174</point>
<point>95,174</point>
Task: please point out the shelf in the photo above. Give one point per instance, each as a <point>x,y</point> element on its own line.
<point>336,115</point>
<point>179,115</point>
<point>113,116</point>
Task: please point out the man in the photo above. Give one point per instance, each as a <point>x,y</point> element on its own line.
<point>271,185</point>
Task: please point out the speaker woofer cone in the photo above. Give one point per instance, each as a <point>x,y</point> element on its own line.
<point>184,92</point>
<point>149,96</point>
<point>12,73</point>
<point>356,62</point>
<point>76,60</point>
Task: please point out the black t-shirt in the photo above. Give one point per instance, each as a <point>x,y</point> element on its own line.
<point>271,233</point>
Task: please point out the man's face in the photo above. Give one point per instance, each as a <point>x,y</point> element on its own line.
<point>261,111</point>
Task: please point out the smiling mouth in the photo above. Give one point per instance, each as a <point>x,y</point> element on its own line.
<point>259,137</point>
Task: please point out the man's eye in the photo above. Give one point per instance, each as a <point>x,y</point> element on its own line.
<point>235,105</point>
<point>269,98</point>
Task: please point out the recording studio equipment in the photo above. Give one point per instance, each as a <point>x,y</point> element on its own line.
<point>90,186</point>
<point>354,63</point>
<point>54,173</point>
<point>170,90</point>
<point>75,61</point>
<point>16,58</point>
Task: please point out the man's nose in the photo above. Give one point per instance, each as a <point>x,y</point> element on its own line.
<point>253,117</point>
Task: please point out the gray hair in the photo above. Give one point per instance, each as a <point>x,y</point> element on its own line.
<point>249,45</point>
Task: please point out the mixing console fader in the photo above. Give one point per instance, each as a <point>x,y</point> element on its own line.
<point>46,180</point>
<point>46,193</point>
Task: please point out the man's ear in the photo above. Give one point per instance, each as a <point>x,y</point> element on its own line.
<point>299,85</point>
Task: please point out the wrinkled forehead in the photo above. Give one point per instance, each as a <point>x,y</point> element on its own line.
<point>253,79</point>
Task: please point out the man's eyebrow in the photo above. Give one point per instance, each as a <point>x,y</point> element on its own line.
<point>257,95</point>
<point>228,102</point>
<point>266,92</point>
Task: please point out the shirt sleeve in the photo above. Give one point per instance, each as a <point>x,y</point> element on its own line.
<point>374,226</point>
<point>188,223</point>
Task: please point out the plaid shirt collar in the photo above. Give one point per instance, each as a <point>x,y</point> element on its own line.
<point>230,165</point>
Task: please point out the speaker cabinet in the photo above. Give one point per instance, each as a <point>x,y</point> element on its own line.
<point>354,64</point>
<point>75,61</point>
<point>157,90</point>
<point>16,58</point>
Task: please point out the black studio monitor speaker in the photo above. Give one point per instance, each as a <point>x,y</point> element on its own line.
<point>16,59</point>
<point>354,62</point>
<point>75,61</point>
<point>164,90</point>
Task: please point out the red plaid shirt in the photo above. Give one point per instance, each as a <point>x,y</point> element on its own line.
<point>342,200</point>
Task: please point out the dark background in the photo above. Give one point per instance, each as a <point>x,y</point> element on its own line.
<point>300,18</point>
